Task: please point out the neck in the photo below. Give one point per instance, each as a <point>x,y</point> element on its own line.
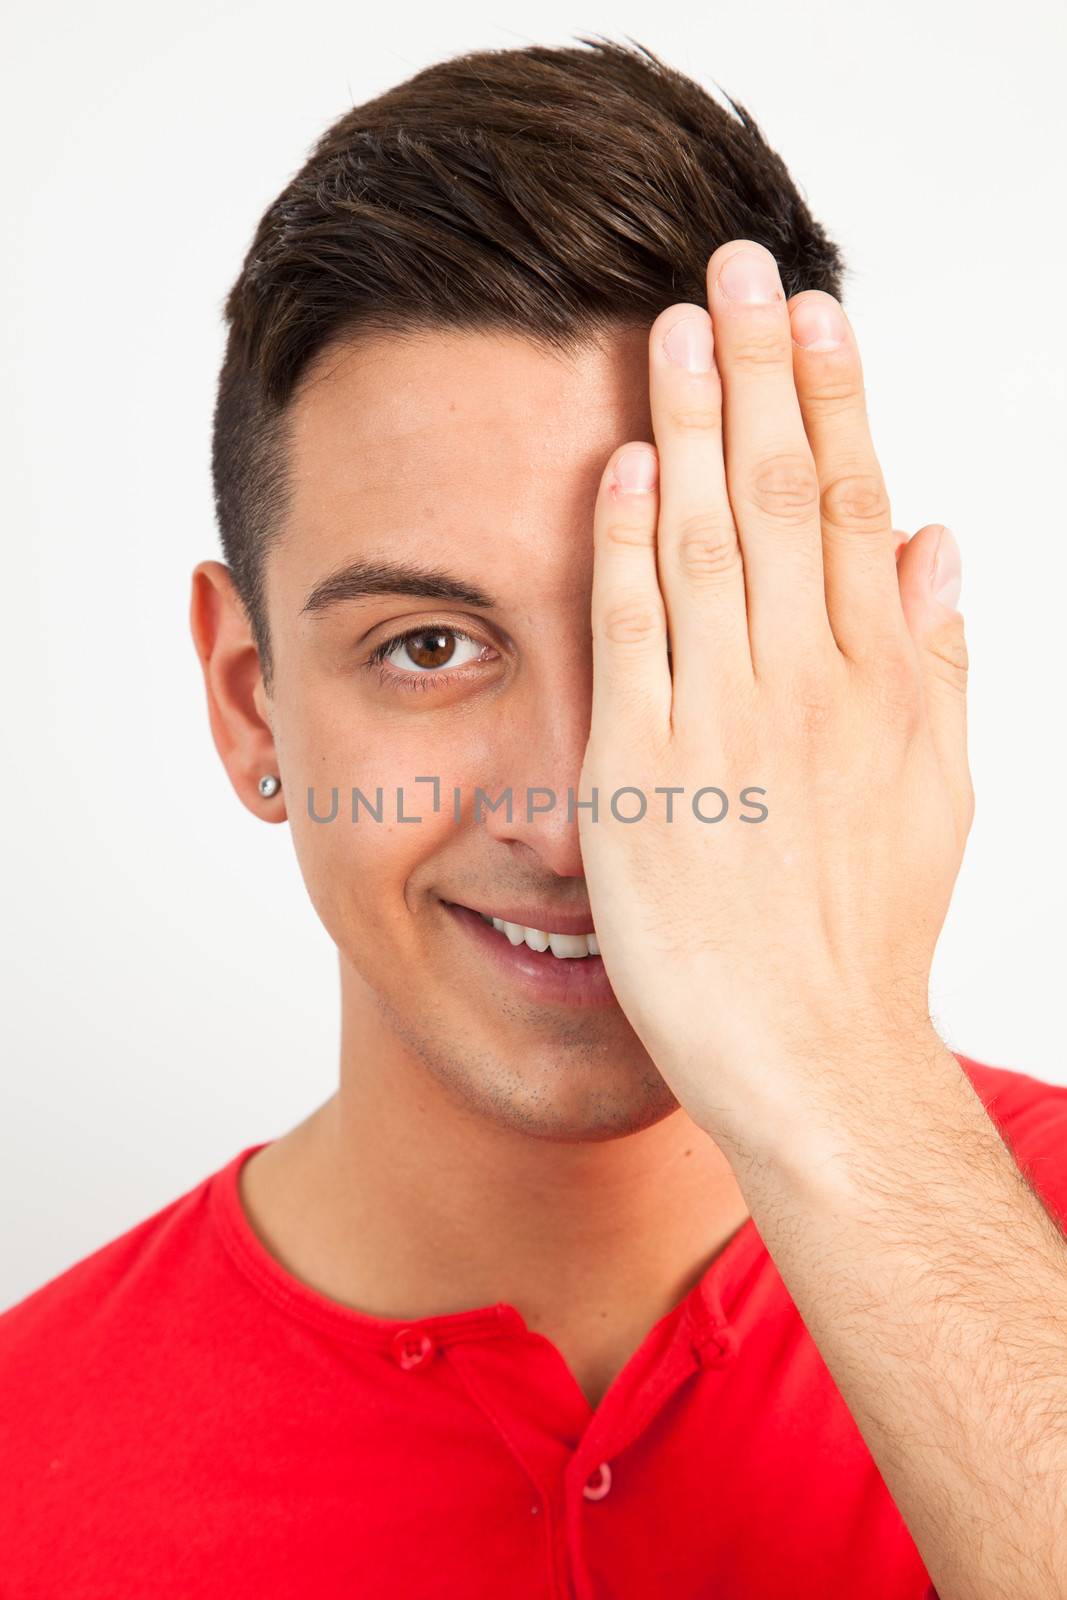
<point>396,1198</point>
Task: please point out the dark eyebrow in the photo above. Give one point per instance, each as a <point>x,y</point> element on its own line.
<point>362,578</point>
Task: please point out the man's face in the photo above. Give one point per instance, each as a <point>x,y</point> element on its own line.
<point>479,456</point>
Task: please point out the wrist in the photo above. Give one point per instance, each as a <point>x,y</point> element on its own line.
<point>840,1106</point>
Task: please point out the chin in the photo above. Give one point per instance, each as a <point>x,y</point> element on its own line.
<point>563,1102</point>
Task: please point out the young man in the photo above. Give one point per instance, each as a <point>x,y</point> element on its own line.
<point>685,1259</point>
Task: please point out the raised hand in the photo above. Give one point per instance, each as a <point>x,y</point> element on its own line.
<point>762,962</point>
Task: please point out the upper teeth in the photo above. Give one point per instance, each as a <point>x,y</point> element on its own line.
<point>567,946</point>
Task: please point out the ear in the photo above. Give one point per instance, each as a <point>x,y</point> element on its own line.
<point>238,706</point>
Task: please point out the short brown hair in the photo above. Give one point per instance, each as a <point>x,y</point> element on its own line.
<point>554,193</point>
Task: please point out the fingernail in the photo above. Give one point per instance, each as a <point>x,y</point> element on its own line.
<point>948,570</point>
<point>688,344</point>
<point>818,324</point>
<point>635,471</point>
<point>752,276</point>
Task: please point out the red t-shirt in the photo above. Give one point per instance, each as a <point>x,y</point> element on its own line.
<point>182,1419</point>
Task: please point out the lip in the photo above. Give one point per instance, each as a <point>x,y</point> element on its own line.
<point>536,917</point>
<point>581,982</point>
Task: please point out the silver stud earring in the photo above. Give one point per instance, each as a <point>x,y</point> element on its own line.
<point>269,785</point>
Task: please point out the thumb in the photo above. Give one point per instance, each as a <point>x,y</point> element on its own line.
<point>929,573</point>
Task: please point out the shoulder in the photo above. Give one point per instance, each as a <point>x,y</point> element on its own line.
<point>92,1314</point>
<point>1017,1102</point>
<point>107,1372</point>
<point>1031,1116</point>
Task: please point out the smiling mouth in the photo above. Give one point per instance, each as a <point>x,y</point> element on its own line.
<point>552,968</point>
<point>564,946</point>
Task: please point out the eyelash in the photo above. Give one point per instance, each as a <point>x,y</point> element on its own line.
<point>416,680</point>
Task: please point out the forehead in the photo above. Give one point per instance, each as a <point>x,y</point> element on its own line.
<point>434,398</point>
<point>461,440</point>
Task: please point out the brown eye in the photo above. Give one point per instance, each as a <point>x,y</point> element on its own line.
<point>433,647</point>
<point>423,652</point>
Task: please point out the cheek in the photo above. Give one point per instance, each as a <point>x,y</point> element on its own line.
<point>357,873</point>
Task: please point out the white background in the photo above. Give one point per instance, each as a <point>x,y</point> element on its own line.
<point>168,993</point>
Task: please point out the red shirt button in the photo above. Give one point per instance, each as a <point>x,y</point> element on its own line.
<point>599,1483</point>
<point>720,1349</point>
<point>411,1348</point>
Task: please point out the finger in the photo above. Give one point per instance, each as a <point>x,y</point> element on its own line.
<point>701,574</point>
<point>929,574</point>
<point>631,671</point>
<point>770,470</point>
<point>862,594</point>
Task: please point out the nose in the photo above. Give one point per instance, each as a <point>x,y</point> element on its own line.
<point>541,769</point>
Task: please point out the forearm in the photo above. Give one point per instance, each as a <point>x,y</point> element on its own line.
<point>934,1285</point>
